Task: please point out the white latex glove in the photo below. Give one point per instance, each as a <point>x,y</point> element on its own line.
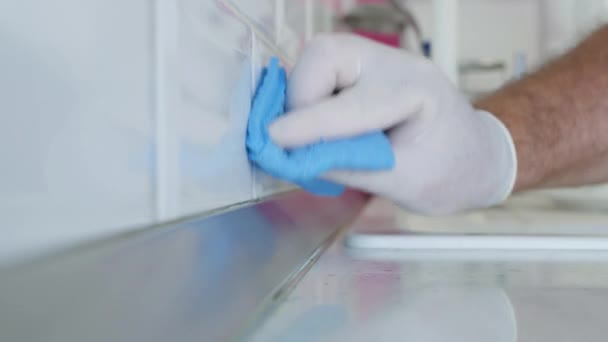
<point>449,156</point>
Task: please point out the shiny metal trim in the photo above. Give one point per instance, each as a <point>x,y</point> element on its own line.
<point>203,279</point>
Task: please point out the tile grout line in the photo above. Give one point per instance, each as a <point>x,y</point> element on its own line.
<point>279,20</point>
<point>164,177</point>
<point>257,32</point>
<point>252,73</point>
<point>308,18</point>
<point>159,116</point>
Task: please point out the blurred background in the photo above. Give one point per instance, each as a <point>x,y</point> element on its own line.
<point>117,115</point>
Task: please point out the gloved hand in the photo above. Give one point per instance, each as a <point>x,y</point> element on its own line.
<point>449,156</point>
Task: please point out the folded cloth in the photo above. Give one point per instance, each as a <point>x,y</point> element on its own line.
<point>304,165</point>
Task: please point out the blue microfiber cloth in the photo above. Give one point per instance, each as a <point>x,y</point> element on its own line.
<point>305,165</point>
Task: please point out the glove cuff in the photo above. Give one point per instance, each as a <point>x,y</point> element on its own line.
<point>509,159</point>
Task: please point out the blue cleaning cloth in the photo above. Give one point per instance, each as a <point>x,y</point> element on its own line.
<point>305,165</point>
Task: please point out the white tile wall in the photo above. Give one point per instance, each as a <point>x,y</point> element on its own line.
<point>120,114</point>
<point>75,120</point>
<point>213,74</point>
<point>262,13</point>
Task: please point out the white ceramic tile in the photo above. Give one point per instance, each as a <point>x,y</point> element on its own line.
<point>296,15</point>
<point>267,19</point>
<point>293,34</point>
<point>75,122</point>
<point>213,80</point>
<point>84,88</point>
<point>260,12</point>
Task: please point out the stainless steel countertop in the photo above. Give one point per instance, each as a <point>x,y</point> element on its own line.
<point>386,295</point>
<point>203,279</point>
<point>259,273</point>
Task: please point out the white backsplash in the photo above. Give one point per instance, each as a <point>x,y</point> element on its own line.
<point>76,120</point>
<point>123,114</point>
<point>213,74</point>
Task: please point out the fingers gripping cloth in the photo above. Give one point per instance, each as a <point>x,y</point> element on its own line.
<point>304,165</point>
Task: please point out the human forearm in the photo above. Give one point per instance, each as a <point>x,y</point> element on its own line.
<point>558,117</point>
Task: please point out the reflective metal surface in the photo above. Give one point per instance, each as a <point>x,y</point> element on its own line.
<point>442,295</point>
<point>201,280</point>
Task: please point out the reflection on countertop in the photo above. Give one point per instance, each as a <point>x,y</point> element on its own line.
<point>362,295</point>
<point>201,279</point>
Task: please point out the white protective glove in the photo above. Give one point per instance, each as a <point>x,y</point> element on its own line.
<point>449,156</point>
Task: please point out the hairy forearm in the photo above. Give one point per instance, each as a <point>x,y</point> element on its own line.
<point>558,117</point>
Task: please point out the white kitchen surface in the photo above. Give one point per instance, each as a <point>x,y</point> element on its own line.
<point>397,295</point>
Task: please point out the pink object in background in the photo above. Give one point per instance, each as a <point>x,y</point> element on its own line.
<point>382,36</point>
<point>390,39</point>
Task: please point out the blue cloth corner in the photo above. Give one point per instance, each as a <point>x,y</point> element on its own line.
<point>304,166</point>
